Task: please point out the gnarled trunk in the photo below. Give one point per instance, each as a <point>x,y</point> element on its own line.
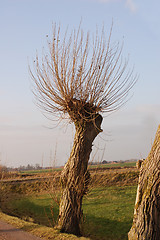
<point>75,176</point>
<point>146,222</point>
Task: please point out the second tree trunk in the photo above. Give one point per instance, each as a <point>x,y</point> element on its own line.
<point>146,222</point>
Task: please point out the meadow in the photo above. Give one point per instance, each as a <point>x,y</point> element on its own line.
<point>107,208</point>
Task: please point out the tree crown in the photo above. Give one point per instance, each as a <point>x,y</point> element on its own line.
<point>81,78</point>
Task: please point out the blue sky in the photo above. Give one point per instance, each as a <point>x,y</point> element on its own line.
<point>26,136</point>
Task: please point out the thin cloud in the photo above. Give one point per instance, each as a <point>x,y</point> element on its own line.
<point>128,3</point>
<point>131,5</point>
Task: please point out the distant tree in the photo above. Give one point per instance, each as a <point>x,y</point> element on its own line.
<point>37,166</point>
<point>105,162</point>
<point>29,167</point>
<point>3,171</point>
<point>80,79</point>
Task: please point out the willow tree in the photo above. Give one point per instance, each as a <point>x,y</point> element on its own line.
<point>80,78</point>
<point>146,221</point>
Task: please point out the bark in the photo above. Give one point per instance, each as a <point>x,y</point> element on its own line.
<point>146,221</point>
<point>75,176</point>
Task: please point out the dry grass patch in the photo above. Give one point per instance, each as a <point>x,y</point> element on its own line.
<point>38,230</point>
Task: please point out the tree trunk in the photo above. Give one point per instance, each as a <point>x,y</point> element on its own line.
<point>146,221</point>
<point>75,176</point>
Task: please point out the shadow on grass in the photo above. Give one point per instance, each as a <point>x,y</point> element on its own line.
<point>108,211</point>
<point>27,210</point>
<point>93,227</point>
<point>101,228</point>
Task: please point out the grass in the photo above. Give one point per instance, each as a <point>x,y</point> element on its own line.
<point>108,165</point>
<point>38,230</point>
<point>108,211</point>
<point>41,171</point>
<point>40,209</point>
<point>114,165</point>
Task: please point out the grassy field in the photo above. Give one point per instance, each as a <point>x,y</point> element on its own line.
<point>114,165</point>
<point>108,165</point>
<point>41,171</point>
<point>33,196</point>
<point>108,211</point>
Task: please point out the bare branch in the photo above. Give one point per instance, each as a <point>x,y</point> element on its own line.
<point>74,74</point>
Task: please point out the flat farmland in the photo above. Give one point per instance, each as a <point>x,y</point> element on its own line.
<point>107,207</point>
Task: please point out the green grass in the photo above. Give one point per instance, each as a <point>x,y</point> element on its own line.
<point>125,164</point>
<point>41,171</point>
<point>114,165</point>
<point>108,211</point>
<point>40,209</point>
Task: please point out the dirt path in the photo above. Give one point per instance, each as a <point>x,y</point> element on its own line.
<point>9,232</point>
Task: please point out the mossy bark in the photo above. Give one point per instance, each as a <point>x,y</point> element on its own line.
<point>146,221</point>
<point>75,176</point>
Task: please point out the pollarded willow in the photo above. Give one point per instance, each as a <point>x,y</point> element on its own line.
<point>81,77</point>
